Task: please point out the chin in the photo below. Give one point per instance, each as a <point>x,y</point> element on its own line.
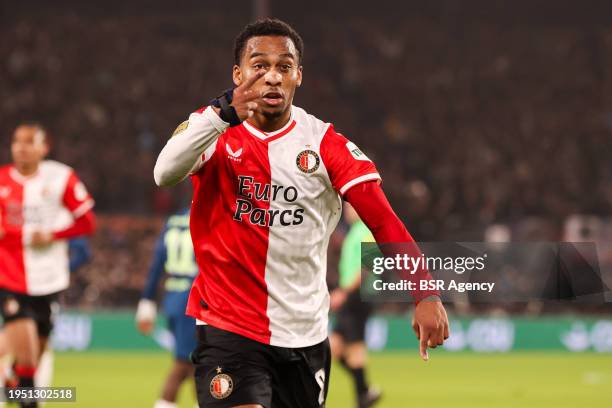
<point>274,112</point>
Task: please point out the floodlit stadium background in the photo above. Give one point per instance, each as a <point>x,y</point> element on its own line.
<point>487,121</point>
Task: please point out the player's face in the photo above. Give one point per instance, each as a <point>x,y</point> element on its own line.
<point>278,57</point>
<point>29,146</point>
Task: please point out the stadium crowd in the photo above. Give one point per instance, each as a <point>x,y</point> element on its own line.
<point>472,123</point>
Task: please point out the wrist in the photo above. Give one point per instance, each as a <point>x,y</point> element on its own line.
<point>341,290</point>
<point>213,117</point>
<point>226,111</point>
<point>429,297</point>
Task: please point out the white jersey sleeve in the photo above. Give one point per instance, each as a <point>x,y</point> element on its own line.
<point>186,151</point>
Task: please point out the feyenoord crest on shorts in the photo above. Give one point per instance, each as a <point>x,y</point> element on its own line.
<point>222,385</point>
<point>11,306</point>
<point>264,207</point>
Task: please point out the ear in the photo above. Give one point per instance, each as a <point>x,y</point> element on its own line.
<point>237,75</point>
<point>45,149</point>
<point>299,76</point>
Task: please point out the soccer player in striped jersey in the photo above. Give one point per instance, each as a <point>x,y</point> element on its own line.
<point>42,205</point>
<point>269,179</point>
<point>80,254</point>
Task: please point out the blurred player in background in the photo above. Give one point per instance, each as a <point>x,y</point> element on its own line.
<point>269,180</point>
<point>174,254</point>
<point>80,253</point>
<point>42,205</point>
<point>348,338</point>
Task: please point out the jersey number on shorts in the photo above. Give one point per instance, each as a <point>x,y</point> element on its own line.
<point>180,259</point>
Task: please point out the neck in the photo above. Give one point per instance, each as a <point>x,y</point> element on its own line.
<point>27,170</point>
<point>270,123</point>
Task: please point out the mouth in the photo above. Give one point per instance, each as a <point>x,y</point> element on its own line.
<point>272,98</point>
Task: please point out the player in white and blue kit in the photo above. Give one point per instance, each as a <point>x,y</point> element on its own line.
<point>173,254</point>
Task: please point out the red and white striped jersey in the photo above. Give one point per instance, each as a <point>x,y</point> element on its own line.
<point>50,200</point>
<point>264,207</point>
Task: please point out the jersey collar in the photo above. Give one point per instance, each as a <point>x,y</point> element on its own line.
<point>270,136</point>
<point>20,178</point>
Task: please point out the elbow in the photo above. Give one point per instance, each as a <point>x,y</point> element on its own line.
<point>173,164</point>
<point>88,222</point>
<point>163,176</point>
<point>159,177</point>
<point>93,225</point>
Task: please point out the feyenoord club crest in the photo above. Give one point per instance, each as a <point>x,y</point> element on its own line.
<point>11,307</point>
<point>221,386</point>
<point>308,161</point>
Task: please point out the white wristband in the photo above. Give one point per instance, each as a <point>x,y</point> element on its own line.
<point>147,310</point>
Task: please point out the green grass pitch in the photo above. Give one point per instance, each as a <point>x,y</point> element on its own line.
<point>530,379</point>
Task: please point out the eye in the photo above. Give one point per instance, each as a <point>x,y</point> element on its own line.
<point>258,66</point>
<point>285,67</point>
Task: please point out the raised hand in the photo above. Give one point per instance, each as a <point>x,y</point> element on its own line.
<point>244,97</point>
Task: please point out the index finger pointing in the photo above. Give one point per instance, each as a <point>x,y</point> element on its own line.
<point>423,345</point>
<point>250,81</point>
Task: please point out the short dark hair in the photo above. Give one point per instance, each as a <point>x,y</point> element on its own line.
<point>267,26</point>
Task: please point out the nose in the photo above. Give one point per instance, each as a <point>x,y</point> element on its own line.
<point>273,78</point>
